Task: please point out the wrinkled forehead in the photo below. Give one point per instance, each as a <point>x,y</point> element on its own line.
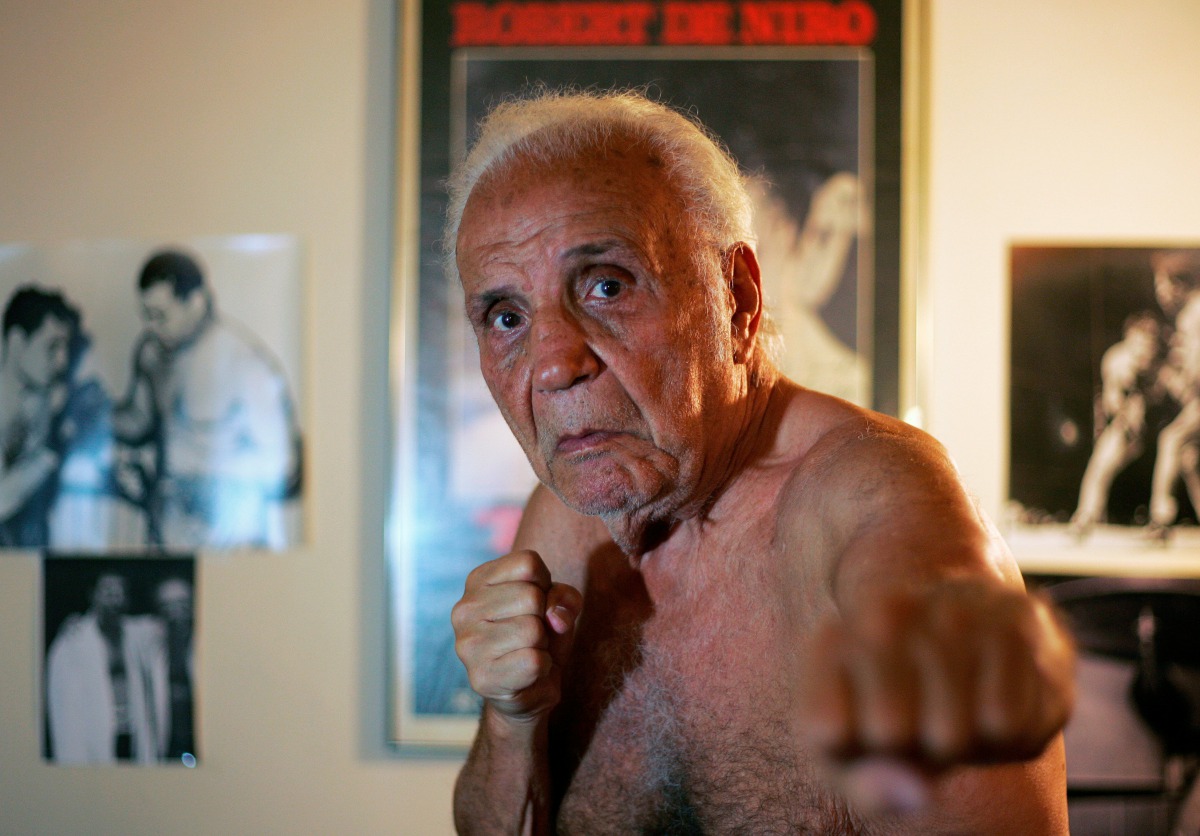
<point>622,182</point>
<point>616,163</point>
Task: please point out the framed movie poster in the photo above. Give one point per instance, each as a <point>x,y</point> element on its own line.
<point>806,95</point>
<point>1104,472</point>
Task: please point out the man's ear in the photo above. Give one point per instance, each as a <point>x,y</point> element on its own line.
<point>197,302</point>
<point>14,344</point>
<point>745,286</point>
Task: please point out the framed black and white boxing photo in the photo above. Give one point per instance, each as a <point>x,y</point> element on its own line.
<point>150,394</point>
<point>1104,465</point>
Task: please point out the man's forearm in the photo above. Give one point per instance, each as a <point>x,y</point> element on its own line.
<point>504,787</point>
<point>23,478</point>
<point>133,417</point>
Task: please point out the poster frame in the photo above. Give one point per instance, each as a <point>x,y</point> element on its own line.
<point>423,128</point>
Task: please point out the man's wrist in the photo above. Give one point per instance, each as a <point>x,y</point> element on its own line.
<point>515,730</point>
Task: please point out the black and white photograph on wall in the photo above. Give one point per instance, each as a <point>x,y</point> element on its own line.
<point>826,200</point>
<point>1105,397</point>
<point>148,394</point>
<point>119,674</point>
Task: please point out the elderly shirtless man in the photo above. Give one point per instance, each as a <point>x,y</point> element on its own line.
<point>734,605</point>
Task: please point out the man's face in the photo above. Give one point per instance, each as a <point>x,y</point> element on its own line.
<point>44,354</point>
<point>110,596</point>
<point>604,333</point>
<point>171,319</point>
<point>175,601</point>
<point>1169,291</point>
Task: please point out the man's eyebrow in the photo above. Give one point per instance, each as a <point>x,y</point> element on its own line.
<point>593,248</point>
<point>480,302</point>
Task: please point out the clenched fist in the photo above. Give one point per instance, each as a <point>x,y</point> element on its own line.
<point>513,632</point>
<point>966,674</point>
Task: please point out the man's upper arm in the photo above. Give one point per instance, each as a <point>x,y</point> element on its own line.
<point>894,522</point>
<point>563,538</point>
<point>889,513</point>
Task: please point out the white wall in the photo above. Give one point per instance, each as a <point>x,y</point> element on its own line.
<point>176,118</point>
<point>1049,118</point>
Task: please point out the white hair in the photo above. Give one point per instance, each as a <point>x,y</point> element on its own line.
<point>549,125</point>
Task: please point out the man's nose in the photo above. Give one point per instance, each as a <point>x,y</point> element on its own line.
<point>562,356</point>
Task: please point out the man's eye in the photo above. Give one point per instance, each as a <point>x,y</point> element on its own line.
<point>606,288</point>
<point>505,320</point>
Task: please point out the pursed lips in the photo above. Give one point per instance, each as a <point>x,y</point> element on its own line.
<point>585,441</point>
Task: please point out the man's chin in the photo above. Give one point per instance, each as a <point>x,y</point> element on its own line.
<point>598,504</point>
<point>638,489</point>
<point>627,512</point>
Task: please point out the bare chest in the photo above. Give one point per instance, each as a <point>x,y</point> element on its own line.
<point>683,721</point>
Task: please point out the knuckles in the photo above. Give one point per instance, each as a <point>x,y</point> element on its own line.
<point>526,565</point>
<point>976,676</point>
<point>528,631</point>
<point>530,664</point>
<point>521,565</point>
<point>527,599</point>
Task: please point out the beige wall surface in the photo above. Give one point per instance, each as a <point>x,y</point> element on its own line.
<point>171,119</point>
<point>1062,119</point>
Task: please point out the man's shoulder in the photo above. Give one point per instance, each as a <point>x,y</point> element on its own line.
<point>565,539</point>
<point>232,341</point>
<point>874,497</point>
<point>77,630</point>
<point>847,458</point>
<point>237,358</point>
<point>822,436</point>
